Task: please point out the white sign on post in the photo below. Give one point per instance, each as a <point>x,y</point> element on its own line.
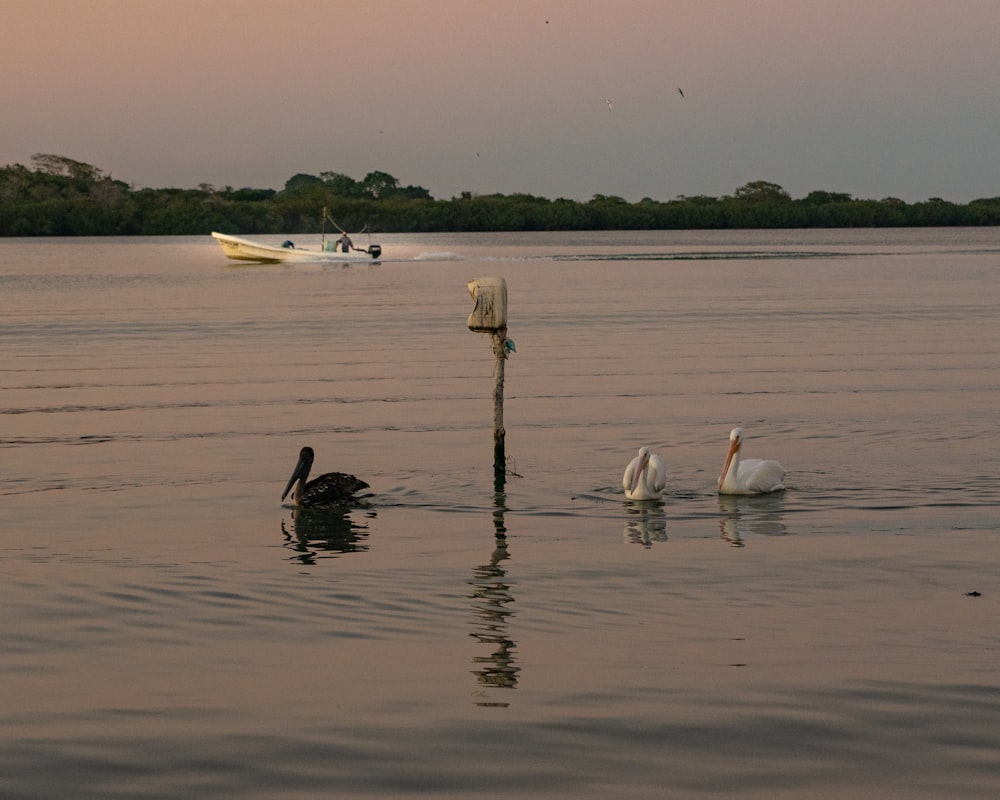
<point>490,312</point>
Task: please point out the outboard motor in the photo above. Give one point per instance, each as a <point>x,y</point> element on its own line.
<point>375,250</point>
<point>288,244</point>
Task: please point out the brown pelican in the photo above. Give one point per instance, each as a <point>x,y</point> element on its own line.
<point>330,489</point>
<point>645,477</point>
<point>753,476</point>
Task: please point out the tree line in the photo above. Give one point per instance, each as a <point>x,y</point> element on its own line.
<point>58,196</point>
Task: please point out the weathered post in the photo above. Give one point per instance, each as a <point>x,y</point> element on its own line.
<point>490,316</point>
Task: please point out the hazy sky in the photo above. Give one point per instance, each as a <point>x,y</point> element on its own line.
<point>875,98</point>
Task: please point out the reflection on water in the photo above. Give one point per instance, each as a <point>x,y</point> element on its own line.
<point>647,523</point>
<point>745,514</point>
<point>491,594</point>
<point>151,394</point>
<point>324,532</point>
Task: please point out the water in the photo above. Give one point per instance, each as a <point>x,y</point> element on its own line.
<point>169,631</point>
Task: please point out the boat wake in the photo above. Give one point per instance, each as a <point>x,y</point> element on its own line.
<point>438,255</point>
<point>701,255</point>
<point>696,255</point>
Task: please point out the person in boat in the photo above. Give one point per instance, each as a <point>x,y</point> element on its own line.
<point>345,243</point>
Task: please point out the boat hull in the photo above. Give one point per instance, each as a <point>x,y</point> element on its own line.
<point>240,249</point>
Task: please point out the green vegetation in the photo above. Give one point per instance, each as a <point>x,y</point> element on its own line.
<point>62,197</point>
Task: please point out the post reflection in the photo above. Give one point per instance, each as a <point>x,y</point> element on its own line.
<point>646,523</point>
<point>746,514</point>
<point>491,596</point>
<point>324,533</point>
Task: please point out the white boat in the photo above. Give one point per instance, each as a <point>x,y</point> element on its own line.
<point>246,250</point>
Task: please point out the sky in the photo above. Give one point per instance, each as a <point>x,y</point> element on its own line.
<point>875,98</point>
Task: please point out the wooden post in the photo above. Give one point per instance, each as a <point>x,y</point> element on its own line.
<point>499,434</point>
<point>490,316</point>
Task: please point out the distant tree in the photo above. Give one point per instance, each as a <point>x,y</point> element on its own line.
<point>64,197</point>
<point>762,192</point>
<point>937,211</point>
<point>107,192</point>
<point>984,211</point>
<point>301,182</point>
<point>821,198</point>
<point>701,200</point>
<point>247,194</point>
<point>341,184</point>
<point>415,193</point>
<point>13,179</point>
<point>52,164</point>
<point>377,185</point>
<point>609,198</point>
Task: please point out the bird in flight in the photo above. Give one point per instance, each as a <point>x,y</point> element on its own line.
<point>680,91</point>
<point>609,104</point>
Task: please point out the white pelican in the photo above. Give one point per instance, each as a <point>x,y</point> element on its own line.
<point>752,476</point>
<point>645,476</point>
<point>330,489</point>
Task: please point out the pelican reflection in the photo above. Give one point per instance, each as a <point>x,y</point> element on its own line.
<point>646,523</point>
<point>745,514</point>
<point>324,533</point>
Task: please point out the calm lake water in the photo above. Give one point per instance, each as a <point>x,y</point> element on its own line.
<point>168,630</point>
